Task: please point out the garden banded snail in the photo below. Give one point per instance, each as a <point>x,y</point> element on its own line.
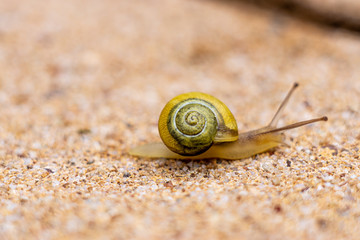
<point>199,126</point>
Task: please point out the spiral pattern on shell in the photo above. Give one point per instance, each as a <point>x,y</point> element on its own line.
<point>193,124</point>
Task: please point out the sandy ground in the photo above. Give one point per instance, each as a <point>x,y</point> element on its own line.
<point>81,82</point>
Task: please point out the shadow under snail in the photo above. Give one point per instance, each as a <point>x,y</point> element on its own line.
<point>199,126</point>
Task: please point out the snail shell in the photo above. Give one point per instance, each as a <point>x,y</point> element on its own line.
<point>192,122</point>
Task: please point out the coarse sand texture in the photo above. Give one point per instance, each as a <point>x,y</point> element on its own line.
<point>83,82</point>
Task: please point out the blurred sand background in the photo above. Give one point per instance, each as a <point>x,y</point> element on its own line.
<point>81,82</point>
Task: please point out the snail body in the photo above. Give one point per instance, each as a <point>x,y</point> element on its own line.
<point>244,147</point>
<point>199,126</point>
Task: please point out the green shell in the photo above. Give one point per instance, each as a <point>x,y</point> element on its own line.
<point>192,122</point>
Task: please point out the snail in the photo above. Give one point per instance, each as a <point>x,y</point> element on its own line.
<point>199,126</point>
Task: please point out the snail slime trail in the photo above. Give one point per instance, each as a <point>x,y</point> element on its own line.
<point>199,126</point>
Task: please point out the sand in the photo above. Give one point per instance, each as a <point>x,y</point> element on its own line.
<point>81,82</point>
